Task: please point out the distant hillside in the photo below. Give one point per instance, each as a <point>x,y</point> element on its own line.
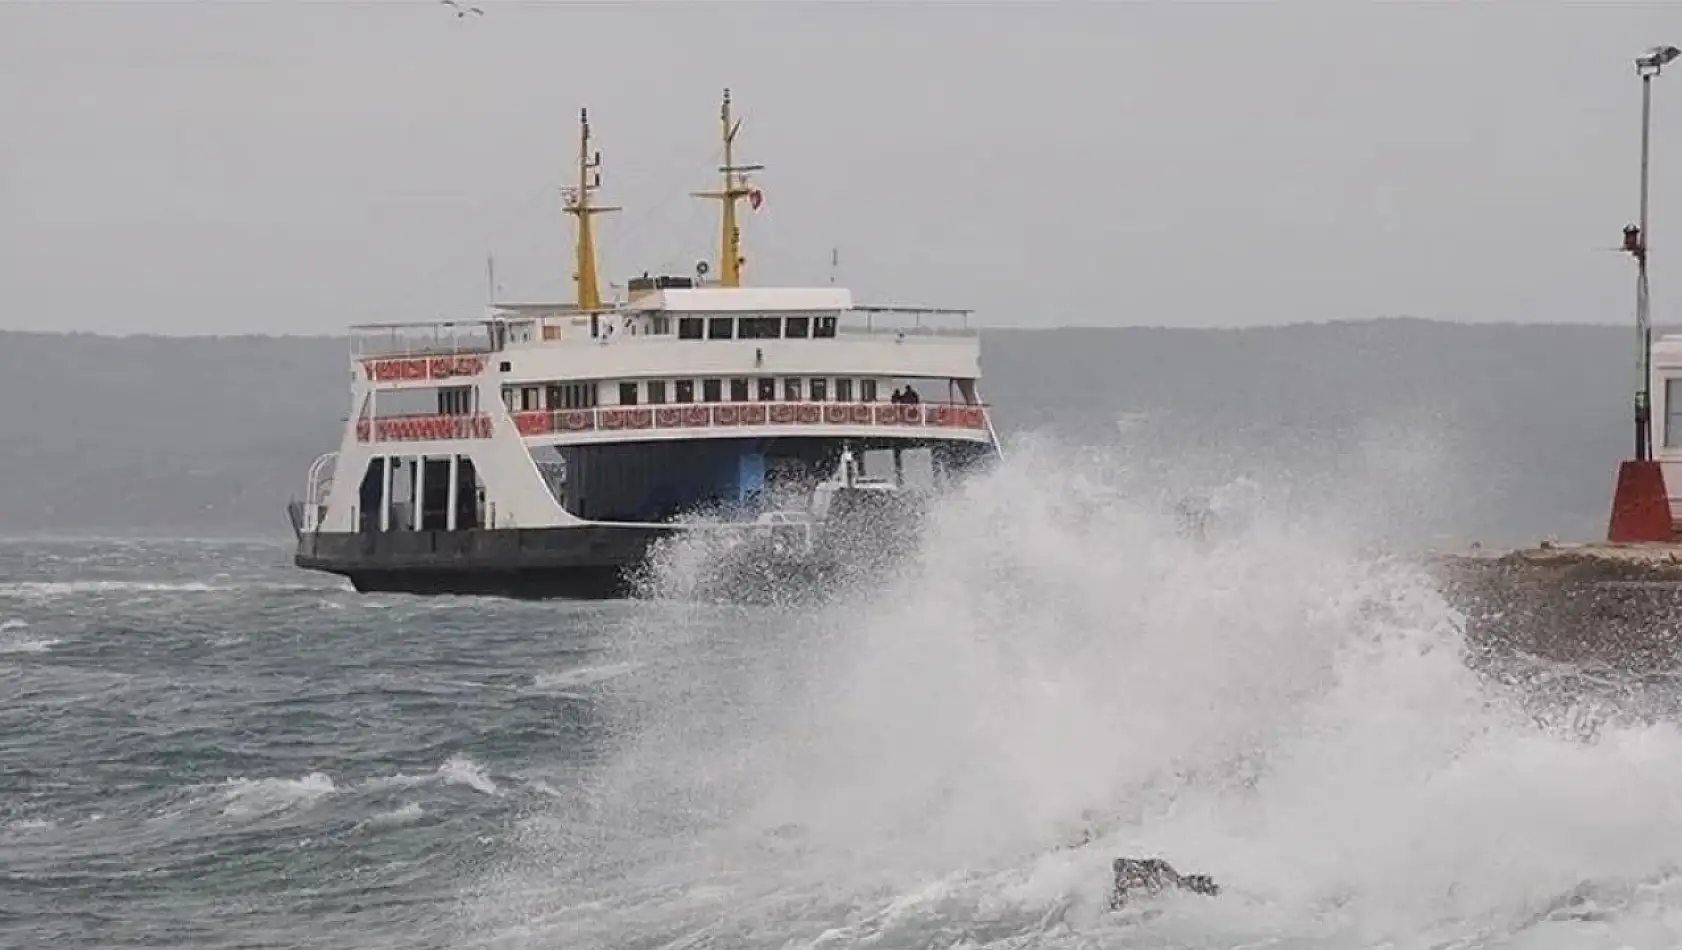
<point>211,435</point>
<point>181,435</point>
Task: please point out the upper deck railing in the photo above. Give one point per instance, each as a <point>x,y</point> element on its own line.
<point>910,321</point>
<point>438,338</point>
<point>884,417</point>
<point>574,328</point>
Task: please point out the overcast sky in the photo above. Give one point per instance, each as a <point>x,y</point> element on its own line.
<point>296,167</point>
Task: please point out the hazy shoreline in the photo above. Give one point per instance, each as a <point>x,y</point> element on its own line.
<point>1514,430</point>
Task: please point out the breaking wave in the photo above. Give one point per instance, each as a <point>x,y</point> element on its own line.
<point>1062,675</point>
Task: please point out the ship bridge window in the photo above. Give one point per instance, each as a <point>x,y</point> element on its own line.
<point>656,392</point>
<point>767,389</point>
<point>689,328</point>
<point>685,390</point>
<point>820,389</point>
<point>843,390</point>
<point>627,394</point>
<point>760,328</point>
<point>799,328</point>
<point>824,328</point>
<point>738,390</point>
<point>712,390</point>
<point>721,328</point>
<point>791,390</point>
<point>867,390</point>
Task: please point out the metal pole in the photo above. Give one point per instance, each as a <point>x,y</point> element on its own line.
<point>1646,138</point>
<point>454,493</point>
<point>385,494</point>
<point>417,518</point>
<point>1643,326</point>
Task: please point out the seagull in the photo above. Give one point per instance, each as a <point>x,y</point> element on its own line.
<point>461,11</point>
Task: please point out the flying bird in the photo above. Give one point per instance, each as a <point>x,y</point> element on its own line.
<point>461,11</point>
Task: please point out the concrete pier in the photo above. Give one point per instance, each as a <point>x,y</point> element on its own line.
<point>1597,603</point>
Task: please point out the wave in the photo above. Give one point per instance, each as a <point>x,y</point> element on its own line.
<point>246,798</point>
<point>460,770</point>
<point>51,589</point>
<point>19,644</point>
<point>408,813</point>
<point>581,676</point>
<point>1061,676</point>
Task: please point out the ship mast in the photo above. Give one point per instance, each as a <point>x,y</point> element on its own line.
<point>736,187</point>
<point>578,205</point>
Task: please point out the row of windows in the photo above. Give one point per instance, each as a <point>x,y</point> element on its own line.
<point>455,401</point>
<point>758,389</point>
<point>567,396</point>
<point>656,392</point>
<point>755,328</point>
<point>552,396</point>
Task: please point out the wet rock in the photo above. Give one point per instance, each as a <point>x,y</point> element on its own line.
<point>1147,877</point>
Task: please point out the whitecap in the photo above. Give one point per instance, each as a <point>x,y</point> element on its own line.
<point>460,770</point>
<point>32,824</point>
<point>245,798</point>
<point>27,644</point>
<point>408,813</point>
<point>581,676</point>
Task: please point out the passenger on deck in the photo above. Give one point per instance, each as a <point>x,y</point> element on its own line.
<point>911,397</point>
<point>897,397</point>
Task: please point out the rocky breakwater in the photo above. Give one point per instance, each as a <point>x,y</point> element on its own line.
<point>1609,604</point>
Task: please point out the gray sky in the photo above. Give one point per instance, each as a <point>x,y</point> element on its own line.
<point>267,167</point>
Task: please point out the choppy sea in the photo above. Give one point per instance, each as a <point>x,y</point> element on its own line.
<point>203,747</point>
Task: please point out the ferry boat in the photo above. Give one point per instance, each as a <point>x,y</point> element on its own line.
<point>544,449</point>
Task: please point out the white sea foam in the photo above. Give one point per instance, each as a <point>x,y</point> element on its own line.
<point>63,588</point>
<point>399,780</point>
<point>14,640</point>
<point>581,676</point>
<point>246,798</point>
<point>11,642</point>
<point>255,797</point>
<point>1271,706</point>
<point>460,770</point>
<point>409,813</point>
<point>32,824</point>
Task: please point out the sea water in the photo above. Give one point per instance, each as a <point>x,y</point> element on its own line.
<point>204,747</point>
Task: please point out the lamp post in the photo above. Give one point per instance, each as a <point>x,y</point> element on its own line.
<point>1647,65</point>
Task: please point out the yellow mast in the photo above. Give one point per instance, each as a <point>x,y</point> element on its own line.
<point>578,205</point>
<point>735,188</point>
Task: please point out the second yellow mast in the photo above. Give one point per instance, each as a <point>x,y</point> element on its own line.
<point>736,187</point>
